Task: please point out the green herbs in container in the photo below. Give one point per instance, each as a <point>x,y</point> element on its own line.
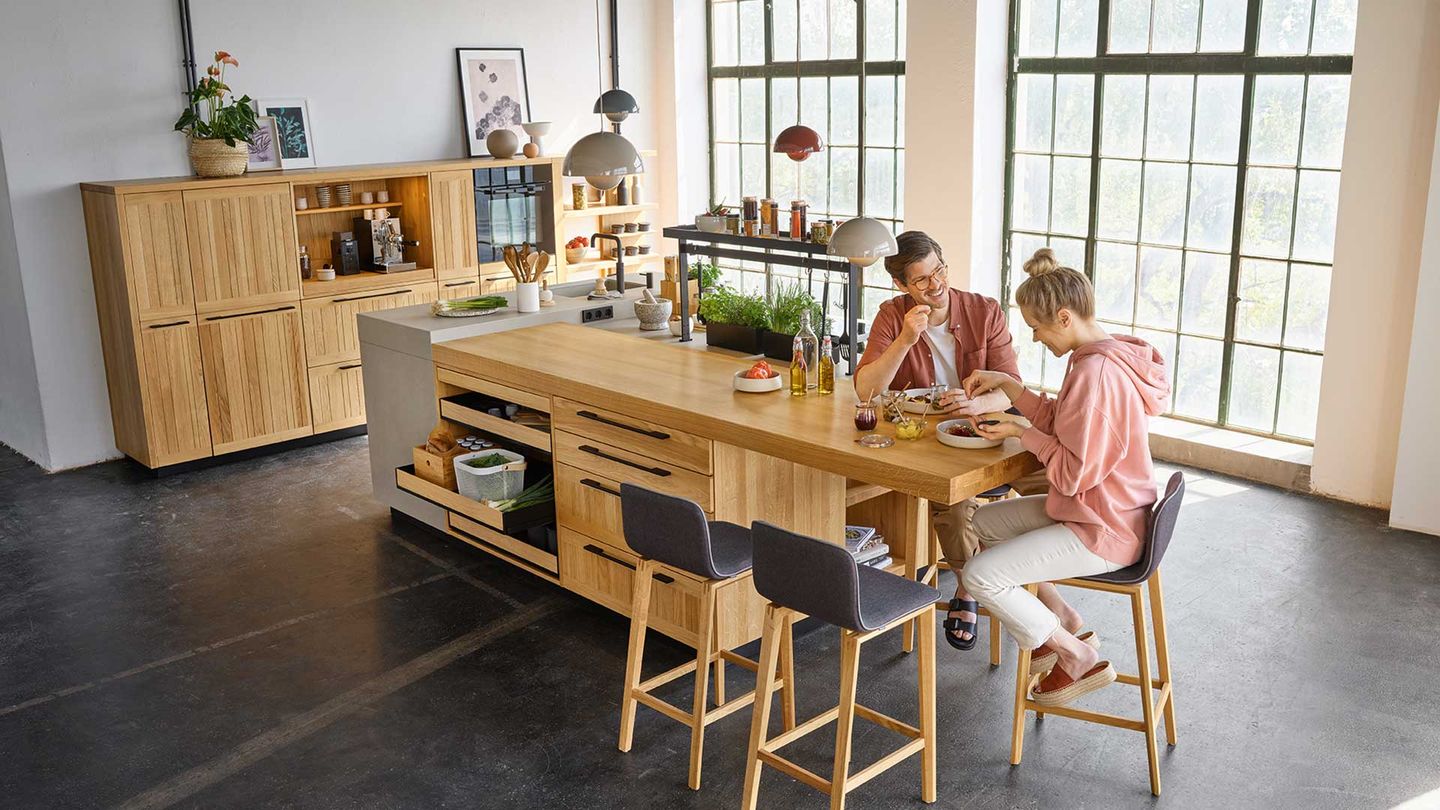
<point>494,475</point>
<point>469,307</point>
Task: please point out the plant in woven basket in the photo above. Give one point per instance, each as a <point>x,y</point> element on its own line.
<point>209,116</point>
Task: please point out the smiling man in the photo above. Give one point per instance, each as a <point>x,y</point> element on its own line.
<point>935,334</point>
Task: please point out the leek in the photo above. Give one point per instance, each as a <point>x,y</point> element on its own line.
<point>537,493</point>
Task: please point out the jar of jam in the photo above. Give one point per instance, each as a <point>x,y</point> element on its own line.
<point>865,419</point>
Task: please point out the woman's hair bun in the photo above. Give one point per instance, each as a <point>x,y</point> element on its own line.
<point>1042,262</point>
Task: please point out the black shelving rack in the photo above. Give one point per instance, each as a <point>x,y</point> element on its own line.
<point>769,250</point>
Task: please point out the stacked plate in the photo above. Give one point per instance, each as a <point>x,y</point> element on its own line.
<point>342,191</point>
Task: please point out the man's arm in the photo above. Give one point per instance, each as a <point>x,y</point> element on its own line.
<point>891,339</point>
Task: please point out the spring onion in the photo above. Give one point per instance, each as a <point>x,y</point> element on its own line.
<point>537,493</point>
<point>483,302</point>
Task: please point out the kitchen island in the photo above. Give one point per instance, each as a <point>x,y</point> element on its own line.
<point>622,410</point>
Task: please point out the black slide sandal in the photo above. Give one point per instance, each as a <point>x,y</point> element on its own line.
<point>953,624</point>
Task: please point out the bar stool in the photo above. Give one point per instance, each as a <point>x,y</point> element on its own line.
<point>804,576</point>
<point>668,531</point>
<point>1132,582</point>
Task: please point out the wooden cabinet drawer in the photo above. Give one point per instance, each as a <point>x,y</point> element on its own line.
<point>337,396</point>
<point>255,377</point>
<point>624,466</point>
<point>589,503</point>
<point>638,436</point>
<point>331,333</point>
<point>459,288</point>
<point>604,574</point>
<point>541,563</point>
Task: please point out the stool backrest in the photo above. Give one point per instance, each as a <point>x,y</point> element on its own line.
<point>812,576</point>
<point>667,529</point>
<point>1162,524</point>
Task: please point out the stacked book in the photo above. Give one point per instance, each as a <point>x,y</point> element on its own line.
<point>867,546</point>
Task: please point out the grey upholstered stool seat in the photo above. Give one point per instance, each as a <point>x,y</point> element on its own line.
<point>678,546</point>
<point>803,575</point>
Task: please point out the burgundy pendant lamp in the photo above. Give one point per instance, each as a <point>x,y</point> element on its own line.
<point>799,142</point>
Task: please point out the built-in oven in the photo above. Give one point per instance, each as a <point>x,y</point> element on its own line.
<point>513,205</point>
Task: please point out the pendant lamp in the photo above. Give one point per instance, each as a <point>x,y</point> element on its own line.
<point>862,241</point>
<point>604,158</point>
<point>799,141</point>
<point>616,105</point>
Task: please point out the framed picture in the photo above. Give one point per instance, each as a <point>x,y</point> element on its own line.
<point>264,146</point>
<point>493,93</point>
<point>294,138</point>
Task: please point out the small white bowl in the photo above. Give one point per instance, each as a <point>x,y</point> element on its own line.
<point>963,442</point>
<point>749,386</point>
<point>675,324</point>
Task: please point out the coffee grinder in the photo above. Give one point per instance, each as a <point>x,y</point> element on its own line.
<point>382,245</point>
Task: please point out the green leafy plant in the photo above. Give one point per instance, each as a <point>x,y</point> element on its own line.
<point>719,209</point>
<point>787,302</point>
<point>725,305</point>
<point>707,273</point>
<point>209,116</point>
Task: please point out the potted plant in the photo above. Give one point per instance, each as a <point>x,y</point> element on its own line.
<point>713,220</point>
<point>734,320</point>
<point>707,274</point>
<point>786,303</point>
<point>219,131</point>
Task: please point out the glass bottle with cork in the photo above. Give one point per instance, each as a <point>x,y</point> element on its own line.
<point>827,366</point>
<point>797,368</point>
<point>810,345</point>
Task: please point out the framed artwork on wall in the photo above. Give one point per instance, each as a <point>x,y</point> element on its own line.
<point>264,146</point>
<point>493,93</point>
<point>295,140</point>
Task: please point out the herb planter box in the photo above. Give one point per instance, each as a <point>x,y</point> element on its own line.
<point>777,345</point>
<point>743,339</point>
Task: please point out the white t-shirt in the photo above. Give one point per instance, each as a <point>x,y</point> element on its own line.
<point>942,354</point>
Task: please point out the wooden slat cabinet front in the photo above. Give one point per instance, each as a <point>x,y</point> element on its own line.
<point>452,211</point>
<point>172,389</point>
<point>242,246</point>
<point>605,574</point>
<point>255,377</point>
<point>459,288</point>
<point>331,332</point>
<point>337,396</point>
<point>158,254</point>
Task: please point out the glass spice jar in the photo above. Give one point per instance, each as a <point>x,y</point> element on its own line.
<point>799,228</point>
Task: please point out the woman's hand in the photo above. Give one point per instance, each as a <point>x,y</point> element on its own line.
<point>982,382</point>
<point>1000,430</point>
<point>955,403</point>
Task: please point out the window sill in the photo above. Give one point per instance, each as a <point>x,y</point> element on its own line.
<point>1254,458</point>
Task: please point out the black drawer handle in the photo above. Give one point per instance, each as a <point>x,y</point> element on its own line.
<point>595,451</point>
<point>593,484</point>
<point>348,366</point>
<point>458,283</point>
<point>247,314</point>
<point>654,434</point>
<point>371,295</point>
<point>600,552</point>
<point>166,325</point>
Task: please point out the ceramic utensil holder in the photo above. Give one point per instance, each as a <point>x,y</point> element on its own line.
<point>527,296</point>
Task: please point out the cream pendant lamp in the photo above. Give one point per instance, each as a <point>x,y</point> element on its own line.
<point>863,241</point>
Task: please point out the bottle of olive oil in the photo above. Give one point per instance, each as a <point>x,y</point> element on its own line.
<point>827,366</point>
<point>797,368</point>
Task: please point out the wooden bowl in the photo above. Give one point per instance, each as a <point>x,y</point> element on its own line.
<point>751,386</point>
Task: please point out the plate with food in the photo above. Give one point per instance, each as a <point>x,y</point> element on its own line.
<point>918,400</point>
<point>961,433</point>
<point>758,379</point>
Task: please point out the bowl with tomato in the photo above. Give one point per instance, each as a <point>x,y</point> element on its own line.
<point>758,378</point>
<point>961,433</point>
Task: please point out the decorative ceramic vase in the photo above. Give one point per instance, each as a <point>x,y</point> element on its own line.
<point>527,296</point>
<point>530,150</point>
<point>502,143</point>
<point>212,157</point>
<point>536,130</point>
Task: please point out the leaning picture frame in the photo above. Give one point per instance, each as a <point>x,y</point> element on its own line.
<point>295,139</point>
<point>494,93</point>
<point>264,147</point>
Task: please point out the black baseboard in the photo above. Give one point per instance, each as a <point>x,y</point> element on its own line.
<point>253,452</point>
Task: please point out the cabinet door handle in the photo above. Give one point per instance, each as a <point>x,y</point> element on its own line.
<point>245,314</point>
<point>595,451</point>
<point>166,325</point>
<point>600,552</point>
<point>348,366</point>
<point>458,283</point>
<point>593,484</point>
<point>654,434</point>
<point>371,295</point>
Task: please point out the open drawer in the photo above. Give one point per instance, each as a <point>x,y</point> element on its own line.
<point>537,561</point>
<point>479,511</point>
<point>472,409</point>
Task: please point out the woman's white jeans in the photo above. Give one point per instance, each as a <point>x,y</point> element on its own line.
<point>1021,545</point>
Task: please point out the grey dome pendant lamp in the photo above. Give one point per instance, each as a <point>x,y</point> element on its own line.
<point>604,158</point>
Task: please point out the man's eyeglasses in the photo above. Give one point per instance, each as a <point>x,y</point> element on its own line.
<point>936,278</point>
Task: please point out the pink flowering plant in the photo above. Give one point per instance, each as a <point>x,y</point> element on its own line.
<point>209,116</point>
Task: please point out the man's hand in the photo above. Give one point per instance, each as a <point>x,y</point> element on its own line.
<point>914,325</point>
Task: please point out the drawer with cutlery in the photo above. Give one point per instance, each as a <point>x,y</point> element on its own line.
<point>622,465</point>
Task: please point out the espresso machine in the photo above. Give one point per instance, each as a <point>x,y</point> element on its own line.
<point>382,245</point>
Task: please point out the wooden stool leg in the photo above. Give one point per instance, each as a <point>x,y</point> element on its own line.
<point>719,679</point>
<point>994,641</point>
<point>703,642</point>
<point>845,723</point>
<point>1142,654</point>
<point>927,708</point>
<point>770,638</point>
<point>1162,653</point>
<point>787,673</point>
<point>1022,692</point>
<point>639,615</point>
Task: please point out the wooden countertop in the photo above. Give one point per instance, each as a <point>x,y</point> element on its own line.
<point>321,174</point>
<point>692,391</point>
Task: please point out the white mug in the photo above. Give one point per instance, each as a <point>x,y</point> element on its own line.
<point>301,203</point>
<point>366,198</point>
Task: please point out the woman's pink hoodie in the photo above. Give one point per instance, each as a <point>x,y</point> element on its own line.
<point>1094,440</point>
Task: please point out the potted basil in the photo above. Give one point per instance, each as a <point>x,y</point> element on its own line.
<point>786,303</point>
<point>734,320</point>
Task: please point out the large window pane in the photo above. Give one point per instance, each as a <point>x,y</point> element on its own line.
<point>1115,282</point>
<point>1122,123</point>
<point>1309,306</point>
<point>844,112</point>
<point>814,31</point>
<point>1196,378</point>
<point>1070,199</point>
<point>844,177</point>
<point>1269,211</point>
<point>1167,123</point>
<point>842,29</point>
<point>1334,26</point>
<point>1222,25</point>
<point>782,29</point>
<point>880,30</point>
<point>725,33</point>
<point>1037,27</point>
<point>1077,28</point>
<point>752,110</point>
<point>1207,285</point>
<point>1275,129</point>
<point>725,109</point>
<point>1031,198</point>
<point>1165,193</point>
<point>1253,376</point>
<point>1074,114</point>
<point>880,190</point>
<point>1212,207</point>
<point>1119,199</point>
<point>1261,309</point>
<point>880,110</point>
<point>752,32</point>
<point>1327,101</point>
<point>1284,27</point>
<point>1316,202</point>
<point>1176,26</point>
<point>1034,111</point>
<point>1159,300</point>
<point>1217,118</point>
<point>1129,26</point>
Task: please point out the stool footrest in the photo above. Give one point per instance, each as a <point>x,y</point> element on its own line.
<point>664,708</point>
<point>883,764</point>
<point>739,660</point>
<point>667,676</point>
<point>781,740</point>
<point>886,721</point>
<point>794,771</point>
<point>1103,718</point>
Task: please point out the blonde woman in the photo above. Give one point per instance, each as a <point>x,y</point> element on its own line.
<point>1093,438</point>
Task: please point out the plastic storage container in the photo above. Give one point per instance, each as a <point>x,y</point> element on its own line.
<point>490,483</point>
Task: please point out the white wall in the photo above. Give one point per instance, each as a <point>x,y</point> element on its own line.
<point>1414,505</point>
<point>89,91</point>
<point>21,424</point>
<point>1389,140</point>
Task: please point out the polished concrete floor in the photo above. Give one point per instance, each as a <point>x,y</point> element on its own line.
<point>262,634</point>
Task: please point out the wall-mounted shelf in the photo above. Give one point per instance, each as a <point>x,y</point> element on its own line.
<point>590,264</point>
<point>607,210</point>
<point>338,209</point>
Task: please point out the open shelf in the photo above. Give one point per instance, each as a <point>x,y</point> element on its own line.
<point>340,209</point>
<point>512,521</point>
<point>607,210</point>
<point>470,409</point>
<point>362,281</point>
<point>590,264</point>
